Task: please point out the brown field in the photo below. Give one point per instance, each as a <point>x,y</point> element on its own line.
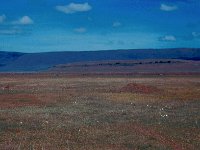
<point>148,66</point>
<point>50,112</point>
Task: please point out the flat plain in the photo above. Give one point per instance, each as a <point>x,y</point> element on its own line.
<point>57,111</point>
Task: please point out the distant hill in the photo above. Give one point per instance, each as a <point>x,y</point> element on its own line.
<point>8,57</point>
<point>28,62</point>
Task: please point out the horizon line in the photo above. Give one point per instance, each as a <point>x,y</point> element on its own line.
<point>100,50</point>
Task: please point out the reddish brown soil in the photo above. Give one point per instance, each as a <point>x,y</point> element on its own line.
<point>85,113</point>
<point>164,140</point>
<point>18,100</point>
<point>139,88</point>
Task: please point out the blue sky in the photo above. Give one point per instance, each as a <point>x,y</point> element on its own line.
<point>77,25</point>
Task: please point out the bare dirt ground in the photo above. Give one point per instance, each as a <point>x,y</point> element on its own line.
<point>45,112</point>
<point>163,66</point>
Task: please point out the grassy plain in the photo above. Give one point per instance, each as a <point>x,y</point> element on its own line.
<point>45,112</point>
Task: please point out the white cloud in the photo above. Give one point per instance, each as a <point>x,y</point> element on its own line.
<point>25,20</point>
<point>73,8</point>
<point>168,38</point>
<point>116,24</point>
<point>196,34</point>
<point>80,30</point>
<point>10,32</point>
<point>165,7</point>
<point>2,18</point>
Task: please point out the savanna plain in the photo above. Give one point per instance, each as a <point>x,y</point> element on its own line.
<point>140,112</point>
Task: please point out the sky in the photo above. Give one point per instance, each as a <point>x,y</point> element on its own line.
<point>88,25</point>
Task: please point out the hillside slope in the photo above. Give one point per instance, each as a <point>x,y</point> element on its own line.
<point>25,62</point>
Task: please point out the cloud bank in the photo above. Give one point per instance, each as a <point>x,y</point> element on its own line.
<point>2,18</point>
<point>196,34</point>
<point>116,24</point>
<point>165,7</point>
<point>9,32</point>
<point>80,30</point>
<point>74,8</point>
<point>25,20</point>
<point>168,38</point>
